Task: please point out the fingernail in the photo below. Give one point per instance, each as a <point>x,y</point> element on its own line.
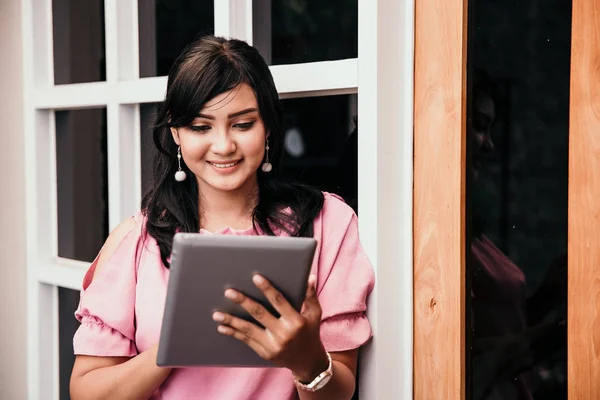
<point>312,279</point>
<point>222,329</point>
<point>218,317</point>
<point>231,294</point>
<point>259,280</point>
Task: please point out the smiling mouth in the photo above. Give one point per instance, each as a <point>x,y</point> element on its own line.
<point>225,165</point>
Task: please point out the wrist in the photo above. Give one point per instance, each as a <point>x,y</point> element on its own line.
<point>318,366</point>
<point>319,381</point>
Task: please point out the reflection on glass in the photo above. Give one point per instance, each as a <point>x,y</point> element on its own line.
<point>78,29</point>
<point>518,129</point>
<point>147,117</point>
<point>67,325</point>
<point>82,183</point>
<point>320,142</point>
<point>166,27</point>
<point>299,31</point>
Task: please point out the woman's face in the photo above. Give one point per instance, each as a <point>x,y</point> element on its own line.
<point>225,145</point>
<point>484,114</point>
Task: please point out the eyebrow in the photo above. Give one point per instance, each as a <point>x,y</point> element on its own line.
<point>230,116</point>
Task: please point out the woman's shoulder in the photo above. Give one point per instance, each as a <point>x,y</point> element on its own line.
<point>335,206</point>
<point>127,234</point>
<point>335,216</point>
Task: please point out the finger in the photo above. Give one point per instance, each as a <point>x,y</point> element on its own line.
<point>277,300</point>
<point>248,329</point>
<point>243,337</point>
<point>255,309</point>
<point>311,307</point>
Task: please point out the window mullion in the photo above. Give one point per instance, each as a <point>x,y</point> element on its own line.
<point>42,42</point>
<point>128,52</point>
<point>385,125</point>
<point>233,18</point>
<point>111,40</point>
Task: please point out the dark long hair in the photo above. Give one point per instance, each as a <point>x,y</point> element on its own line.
<point>206,68</point>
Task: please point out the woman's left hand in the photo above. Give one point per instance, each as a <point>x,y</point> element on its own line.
<point>291,341</point>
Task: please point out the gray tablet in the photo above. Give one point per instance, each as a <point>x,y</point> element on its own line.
<point>202,268</point>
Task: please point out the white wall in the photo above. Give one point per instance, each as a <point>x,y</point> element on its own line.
<point>13,307</point>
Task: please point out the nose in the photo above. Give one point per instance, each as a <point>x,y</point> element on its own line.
<point>483,142</point>
<point>223,144</point>
<point>488,144</point>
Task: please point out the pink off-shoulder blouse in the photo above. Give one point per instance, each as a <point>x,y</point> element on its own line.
<point>121,309</point>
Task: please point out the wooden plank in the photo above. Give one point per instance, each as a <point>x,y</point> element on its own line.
<point>584,204</point>
<point>439,199</point>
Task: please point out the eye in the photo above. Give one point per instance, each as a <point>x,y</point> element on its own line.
<point>244,125</point>
<point>199,128</point>
<point>481,122</point>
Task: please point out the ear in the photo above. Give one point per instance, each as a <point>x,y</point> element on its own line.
<point>175,134</point>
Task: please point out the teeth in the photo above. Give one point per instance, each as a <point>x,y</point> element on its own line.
<point>224,165</point>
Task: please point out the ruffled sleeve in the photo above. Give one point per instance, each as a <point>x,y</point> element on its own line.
<point>107,305</point>
<point>345,277</point>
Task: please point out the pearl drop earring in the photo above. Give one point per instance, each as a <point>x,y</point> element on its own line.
<point>267,166</point>
<point>180,175</point>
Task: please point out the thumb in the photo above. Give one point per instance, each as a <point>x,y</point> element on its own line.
<point>311,307</point>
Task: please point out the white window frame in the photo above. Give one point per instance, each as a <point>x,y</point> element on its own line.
<point>382,73</point>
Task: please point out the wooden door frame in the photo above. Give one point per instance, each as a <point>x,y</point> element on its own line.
<point>440,202</point>
<point>584,204</point>
<point>439,199</point>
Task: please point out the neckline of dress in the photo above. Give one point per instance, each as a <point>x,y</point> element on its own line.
<point>227,229</point>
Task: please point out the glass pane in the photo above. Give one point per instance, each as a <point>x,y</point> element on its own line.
<point>82,183</point>
<point>519,68</point>
<point>78,28</point>
<point>320,143</point>
<point>166,27</point>
<point>147,117</point>
<point>67,325</point>
<point>300,31</point>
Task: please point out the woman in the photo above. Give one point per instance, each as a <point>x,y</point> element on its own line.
<point>511,332</point>
<point>218,133</point>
